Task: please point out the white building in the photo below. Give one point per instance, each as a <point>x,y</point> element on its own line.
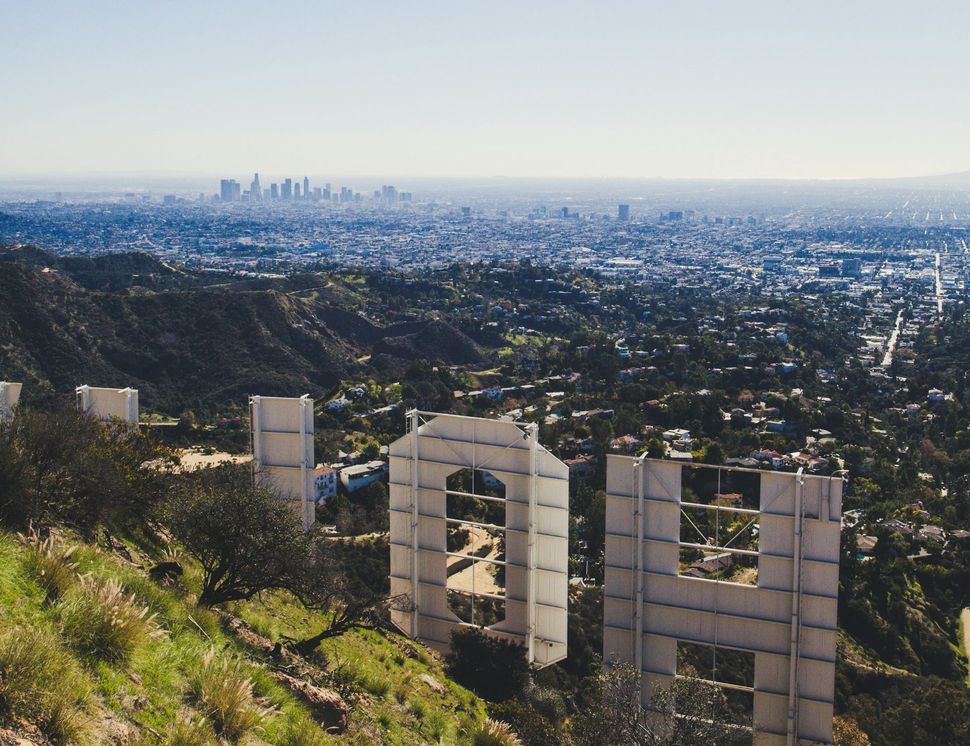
<point>361,475</point>
<point>324,482</point>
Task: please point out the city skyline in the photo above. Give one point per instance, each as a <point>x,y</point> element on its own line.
<point>554,90</point>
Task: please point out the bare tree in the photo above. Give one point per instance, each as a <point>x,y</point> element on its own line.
<point>686,713</point>
<point>346,586</point>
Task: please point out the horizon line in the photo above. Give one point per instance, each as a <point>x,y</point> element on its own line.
<point>173,174</point>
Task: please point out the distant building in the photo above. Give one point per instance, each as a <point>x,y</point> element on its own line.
<point>255,190</point>
<point>229,190</point>
<point>306,187</point>
<point>354,478</point>
<point>623,213</point>
<point>287,190</point>
<point>852,267</point>
<point>581,465</point>
<point>324,482</point>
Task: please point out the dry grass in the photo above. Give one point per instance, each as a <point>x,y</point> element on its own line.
<point>49,564</point>
<point>494,733</point>
<point>189,730</point>
<point>100,620</point>
<point>225,694</point>
<point>41,684</point>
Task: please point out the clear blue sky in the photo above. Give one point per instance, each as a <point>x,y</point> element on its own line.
<point>527,88</point>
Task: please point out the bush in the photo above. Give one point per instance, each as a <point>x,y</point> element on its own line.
<point>61,466</point>
<point>48,564</point>
<point>225,694</point>
<point>100,620</point>
<point>492,668</point>
<point>41,684</point>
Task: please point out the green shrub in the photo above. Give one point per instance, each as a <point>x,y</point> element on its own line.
<point>48,564</point>
<point>418,708</point>
<point>494,669</point>
<point>437,724</point>
<point>100,620</point>
<point>377,686</point>
<point>225,694</point>
<point>303,731</point>
<point>41,684</point>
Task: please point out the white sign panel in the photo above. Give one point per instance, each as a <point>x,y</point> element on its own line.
<point>109,404</point>
<point>282,432</point>
<point>479,515</point>
<point>739,562</point>
<point>9,396</point>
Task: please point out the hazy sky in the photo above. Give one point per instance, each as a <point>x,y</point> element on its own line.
<point>525,88</point>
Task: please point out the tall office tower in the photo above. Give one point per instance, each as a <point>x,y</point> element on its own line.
<point>346,195</point>
<point>317,194</point>
<point>255,191</point>
<point>405,196</point>
<point>306,188</point>
<point>296,190</point>
<point>229,190</point>
<point>327,191</point>
<point>287,191</point>
<point>274,191</point>
<point>623,213</point>
<point>389,194</point>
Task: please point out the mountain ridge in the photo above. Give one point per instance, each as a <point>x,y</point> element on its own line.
<point>66,321</point>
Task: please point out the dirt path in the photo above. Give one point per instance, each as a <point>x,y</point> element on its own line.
<point>479,575</point>
<point>194,458</point>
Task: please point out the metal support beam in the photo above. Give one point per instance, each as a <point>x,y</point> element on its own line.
<point>255,434</point>
<point>638,564</point>
<point>532,432</point>
<point>796,599</point>
<point>414,422</point>
<point>304,488</point>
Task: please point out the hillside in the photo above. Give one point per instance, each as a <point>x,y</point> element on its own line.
<point>366,687</point>
<point>131,320</point>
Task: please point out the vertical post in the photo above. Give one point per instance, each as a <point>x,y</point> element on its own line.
<point>638,565</point>
<point>4,409</point>
<point>83,398</point>
<point>130,414</point>
<point>304,492</point>
<point>533,436</point>
<point>796,599</point>
<point>255,426</point>
<point>414,422</point>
